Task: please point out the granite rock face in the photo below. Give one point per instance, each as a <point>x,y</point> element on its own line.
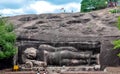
<point>65,26</point>
<point>83,31</point>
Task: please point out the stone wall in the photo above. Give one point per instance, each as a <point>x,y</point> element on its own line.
<point>108,56</point>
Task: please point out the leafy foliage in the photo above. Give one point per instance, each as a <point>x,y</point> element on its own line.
<point>116,43</point>
<point>115,11</point>
<point>118,23</point>
<point>89,5</point>
<point>7,39</point>
<point>118,55</point>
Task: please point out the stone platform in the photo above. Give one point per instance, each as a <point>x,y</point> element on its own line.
<point>85,72</point>
<point>53,70</point>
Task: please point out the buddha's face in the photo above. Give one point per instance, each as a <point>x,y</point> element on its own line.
<point>30,53</point>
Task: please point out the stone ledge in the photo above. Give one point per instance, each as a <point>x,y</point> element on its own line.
<point>113,69</point>
<point>21,72</point>
<point>84,72</point>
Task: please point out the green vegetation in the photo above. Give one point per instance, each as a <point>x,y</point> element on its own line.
<point>116,43</point>
<point>89,5</point>
<point>7,39</point>
<point>118,23</point>
<point>115,11</point>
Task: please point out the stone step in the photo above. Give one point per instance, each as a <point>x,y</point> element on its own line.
<point>84,72</point>
<point>113,69</point>
<point>23,72</point>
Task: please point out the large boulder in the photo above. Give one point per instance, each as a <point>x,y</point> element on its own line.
<point>66,29</point>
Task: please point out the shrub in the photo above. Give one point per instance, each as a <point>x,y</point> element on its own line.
<point>89,5</point>
<point>116,43</point>
<point>7,39</point>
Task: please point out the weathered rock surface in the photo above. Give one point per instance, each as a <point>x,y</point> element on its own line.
<point>85,31</point>
<point>65,26</point>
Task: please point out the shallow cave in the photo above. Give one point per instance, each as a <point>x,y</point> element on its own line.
<point>87,50</point>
